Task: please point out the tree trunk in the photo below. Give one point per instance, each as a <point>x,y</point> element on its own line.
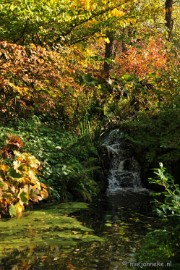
<point>168,17</point>
<point>109,53</point>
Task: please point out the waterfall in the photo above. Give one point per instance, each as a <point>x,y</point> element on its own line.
<point>124,172</point>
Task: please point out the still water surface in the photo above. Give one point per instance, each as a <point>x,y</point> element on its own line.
<point>77,236</point>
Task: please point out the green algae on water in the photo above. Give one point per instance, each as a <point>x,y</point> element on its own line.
<point>47,227</point>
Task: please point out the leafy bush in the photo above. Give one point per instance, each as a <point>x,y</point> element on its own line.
<point>69,161</point>
<point>19,184</point>
<point>155,138</point>
<point>163,244</point>
<point>159,246</point>
<point>171,204</point>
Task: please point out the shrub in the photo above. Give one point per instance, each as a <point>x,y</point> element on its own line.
<point>69,161</point>
<point>19,185</point>
<point>171,204</point>
<point>162,244</point>
<point>155,138</point>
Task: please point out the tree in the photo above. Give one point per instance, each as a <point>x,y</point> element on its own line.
<point>55,22</point>
<point>168,17</point>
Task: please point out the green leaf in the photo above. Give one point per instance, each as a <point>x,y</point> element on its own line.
<point>12,210</point>
<point>128,77</point>
<point>24,197</point>
<point>14,174</point>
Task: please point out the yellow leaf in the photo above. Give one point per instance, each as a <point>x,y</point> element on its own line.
<point>107,40</point>
<point>19,209</point>
<point>117,13</point>
<point>4,167</point>
<point>44,194</point>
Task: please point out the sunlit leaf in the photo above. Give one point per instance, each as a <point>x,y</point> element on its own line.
<point>19,208</point>
<point>12,210</point>
<point>24,197</point>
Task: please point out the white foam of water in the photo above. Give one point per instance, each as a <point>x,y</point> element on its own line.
<point>124,173</point>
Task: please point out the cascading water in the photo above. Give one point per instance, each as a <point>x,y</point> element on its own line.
<point>124,173</point>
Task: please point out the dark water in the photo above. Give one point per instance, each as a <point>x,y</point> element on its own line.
<point>103,235</point>
<point>122,220</point>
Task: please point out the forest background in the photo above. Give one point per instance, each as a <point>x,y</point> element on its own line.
<point>71,71</point>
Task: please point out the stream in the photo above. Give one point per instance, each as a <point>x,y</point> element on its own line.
<point>103,235</point>
<point>106,234</point>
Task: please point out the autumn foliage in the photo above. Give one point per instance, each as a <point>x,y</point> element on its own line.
<point>35,80</point>
<point>82,66</point>
<point>143,58</point>
<point>19,185</point>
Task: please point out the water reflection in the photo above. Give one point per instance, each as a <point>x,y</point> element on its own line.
<point>130,200</point>
<point>122,220</point>
<point>104,236</point>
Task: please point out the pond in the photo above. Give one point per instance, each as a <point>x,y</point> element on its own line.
<point>103,235</point>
